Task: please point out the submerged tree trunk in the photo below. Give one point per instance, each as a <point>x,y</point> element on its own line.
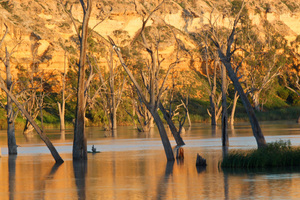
<point>225,58</point>
<point>61,110</point>
<point>225,141</point>
<point>62,105</point>
<point>113,110</point>
<point>212,111</point>
<point>163,135</point>
<point>212,97</point>
<point>11,139</point>
<point>172,126</point>
<point>260,139</point>
<point>149,104</point>
<point>236,97</point>
<point>43,136</point>
<point>80,143</point>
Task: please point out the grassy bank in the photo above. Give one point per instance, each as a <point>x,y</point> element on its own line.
<point>276,154</point>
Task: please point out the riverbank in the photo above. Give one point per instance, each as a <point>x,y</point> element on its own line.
<point>197,116</point>
<point>276,154</point>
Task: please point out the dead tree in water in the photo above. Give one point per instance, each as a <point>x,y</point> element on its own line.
<point>225,57</point>
<point>62,105</point>
<point>155,93</point>
<point>11,114</point>
<point>225,141</point>
<point>151,79</point>
<point>80,143</point>
<point>151,83</point>
<point>43,136</point>
<point>108,90</point>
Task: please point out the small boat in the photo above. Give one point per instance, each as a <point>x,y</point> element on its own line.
<point>93,150</point>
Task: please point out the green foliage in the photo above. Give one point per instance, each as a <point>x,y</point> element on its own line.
<point>293,99</point>
<point>283,93</point>
<point>50,117</point>
<point>182,4</point>
<point>3,120</point>
<point>276,154</point>
<point>64,25</point>
<point>7,6</point>
<point>17,18</point>
<point>71,49</point>
<point>291,5</point>
<point>236,6</point>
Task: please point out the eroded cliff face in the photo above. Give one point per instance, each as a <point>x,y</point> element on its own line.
<point>42,28</point>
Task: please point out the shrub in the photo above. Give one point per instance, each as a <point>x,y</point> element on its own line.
<point>283,93</point>
<point>276,154</point>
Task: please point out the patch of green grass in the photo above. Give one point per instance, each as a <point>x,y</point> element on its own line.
<point>276,154</point>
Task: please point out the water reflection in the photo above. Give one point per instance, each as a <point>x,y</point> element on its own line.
<point>80,172</point>
<point>226,186</point>
<point>163,182</point>
<point>224,151</point>
<point>11,175</point>
<point>213,130</point>
<point>111,133</point>
<point>233,131</point>
<point>53,171</point>
<point>137,175</point>
<point>62,135</point>
<point>135,168</point>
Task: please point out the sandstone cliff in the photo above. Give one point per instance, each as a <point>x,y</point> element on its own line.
<point>43,28</point>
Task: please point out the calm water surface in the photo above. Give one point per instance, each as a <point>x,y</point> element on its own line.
<point>133,166</point>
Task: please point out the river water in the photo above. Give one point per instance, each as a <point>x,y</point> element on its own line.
<point>133,166</point>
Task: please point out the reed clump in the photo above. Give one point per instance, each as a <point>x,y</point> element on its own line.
<point>275,154</point>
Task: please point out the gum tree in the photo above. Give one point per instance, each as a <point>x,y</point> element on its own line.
<point>226,52</point>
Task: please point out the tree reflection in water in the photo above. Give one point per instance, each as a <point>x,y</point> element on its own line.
<point>162,185</point>
<point>80,172</point>
<point>11,175</point>
<point>133,167</point>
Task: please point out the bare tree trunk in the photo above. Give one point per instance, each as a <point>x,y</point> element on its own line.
<point>163,135</point>
<point>149,104</point>
<point>11,139</point>
<point>225,58</point>
<point>41,102</point>
<point>172,126</point>
<point>236,97</point>
<point>43,136</point>
<point>213,111</point>
<point>260,139</point>
<point>151,123</point>
<point>62,105</point>
<point>225,141</point>
<point>28,128</point>
<point>187,111</point>
<point>61,115</point>
<point>212,98</point>
<point>113,111</point>
<point>80,143</point>
<point>256,101</point>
